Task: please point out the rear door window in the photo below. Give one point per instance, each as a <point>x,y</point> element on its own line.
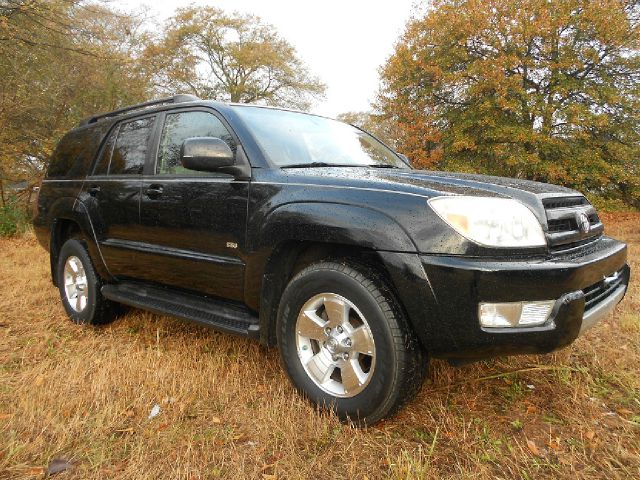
<point>131,146</point>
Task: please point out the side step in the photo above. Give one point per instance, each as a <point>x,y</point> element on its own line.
<point>211,312</point>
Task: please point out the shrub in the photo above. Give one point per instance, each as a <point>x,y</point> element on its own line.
<point>13,218</point>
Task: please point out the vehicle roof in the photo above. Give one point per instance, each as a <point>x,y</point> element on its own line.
<point>143,110</point>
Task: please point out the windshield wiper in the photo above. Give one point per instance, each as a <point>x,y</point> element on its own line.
<point>310,164</point>
<point>325,164</point>
<point>382,165</point>
<point>314,164</point>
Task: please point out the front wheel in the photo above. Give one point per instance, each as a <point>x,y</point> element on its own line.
<point>345,344</point>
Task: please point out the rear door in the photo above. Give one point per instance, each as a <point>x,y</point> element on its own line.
<point>193,223</point>
<point>113,194</point>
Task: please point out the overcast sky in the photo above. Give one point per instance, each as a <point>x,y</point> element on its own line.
<point>343,42</point>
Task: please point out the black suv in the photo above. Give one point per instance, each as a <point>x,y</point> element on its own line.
<point>311,234</point>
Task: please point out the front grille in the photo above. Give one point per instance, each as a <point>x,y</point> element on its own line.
<point>598,292</point>
<point>570,224</point>
<point>563,225</point>
<point>563,202</point>
<point>564,218</point>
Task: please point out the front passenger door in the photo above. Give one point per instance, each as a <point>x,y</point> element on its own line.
<point>194,222</point>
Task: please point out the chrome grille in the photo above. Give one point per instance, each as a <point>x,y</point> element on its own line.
<point>566,222</point>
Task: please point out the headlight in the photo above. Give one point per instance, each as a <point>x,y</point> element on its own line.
<point>493,222</point>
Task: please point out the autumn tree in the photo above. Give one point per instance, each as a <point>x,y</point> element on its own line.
<point>373,123</point>
<point>60,61</point>
<point>546,90</point>
<point>231,57</point>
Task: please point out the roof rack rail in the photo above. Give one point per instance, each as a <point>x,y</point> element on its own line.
<point>179,98</point>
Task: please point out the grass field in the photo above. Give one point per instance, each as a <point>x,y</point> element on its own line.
<point>84,394</point>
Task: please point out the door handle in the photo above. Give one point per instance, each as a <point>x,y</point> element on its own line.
<point>154,190</point>
<point>94,190</point>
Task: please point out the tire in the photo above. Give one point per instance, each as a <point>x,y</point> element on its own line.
<point>384,366</point>
<point>80,285</point>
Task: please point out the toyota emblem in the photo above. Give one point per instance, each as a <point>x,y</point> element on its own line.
<point>583,222</point>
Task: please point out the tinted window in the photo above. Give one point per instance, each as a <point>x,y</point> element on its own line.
<point>75,152</point>
<point>180,126</point>
<point>102,166</point>
<point>131,147</point>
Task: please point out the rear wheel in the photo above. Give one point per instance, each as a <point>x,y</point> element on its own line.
<point>345,344</point>
<point>80,285</point>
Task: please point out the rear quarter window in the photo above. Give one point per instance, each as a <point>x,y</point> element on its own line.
<point>73,156</point>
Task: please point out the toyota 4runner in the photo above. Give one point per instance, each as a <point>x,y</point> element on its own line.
<point>312,235</point>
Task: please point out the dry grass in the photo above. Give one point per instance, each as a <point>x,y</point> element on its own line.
<point>227,410</point>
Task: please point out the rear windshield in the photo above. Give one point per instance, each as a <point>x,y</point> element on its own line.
<point>75,152</point>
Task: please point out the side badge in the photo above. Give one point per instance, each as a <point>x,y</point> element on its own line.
<point>232,245</point>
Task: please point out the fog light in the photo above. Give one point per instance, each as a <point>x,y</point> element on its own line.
<point>514,314</point>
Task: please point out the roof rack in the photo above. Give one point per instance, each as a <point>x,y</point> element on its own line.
<point>179,98</point>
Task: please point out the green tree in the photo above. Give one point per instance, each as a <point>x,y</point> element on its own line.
<point>235,58</point>
<point>546,90</point>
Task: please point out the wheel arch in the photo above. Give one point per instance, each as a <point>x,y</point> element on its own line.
<point>69,217</point>
<point>291,256</point>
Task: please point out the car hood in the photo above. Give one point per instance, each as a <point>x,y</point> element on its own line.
<point>430,184</point>
<point>424,182</point>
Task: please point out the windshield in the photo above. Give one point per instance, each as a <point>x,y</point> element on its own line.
<point>292,139</point>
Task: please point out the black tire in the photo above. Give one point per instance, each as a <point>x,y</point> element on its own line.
<point>395,380</point>
<point>98,310</point>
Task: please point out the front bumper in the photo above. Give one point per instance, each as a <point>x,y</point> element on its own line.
<point>587,284</point>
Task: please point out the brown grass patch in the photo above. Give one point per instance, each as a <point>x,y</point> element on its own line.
<point>227,410</point>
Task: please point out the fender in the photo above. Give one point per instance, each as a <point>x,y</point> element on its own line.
<point>69,208</point>
<point>346,224</point>
<point>318,222</point>
<point>334,223</point>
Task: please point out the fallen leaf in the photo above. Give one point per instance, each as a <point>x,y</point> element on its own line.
<point>533,448</point>
<point>129,413</point>
<point>163,426</point>
<point>554,444</point>
<point>4,416</point>
<point>215,420</point>
<point>125,430</point>
<point>58,465</point>
<point>39,380</point>
<point>590,435</point>
<point>36,471</point>
<point>531,409</point>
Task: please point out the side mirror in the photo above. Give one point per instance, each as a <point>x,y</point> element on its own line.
<point>205,154</point>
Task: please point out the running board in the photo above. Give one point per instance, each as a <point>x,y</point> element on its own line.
<point>211,312</point>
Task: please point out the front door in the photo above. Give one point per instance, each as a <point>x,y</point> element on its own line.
<point>193,223</point>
